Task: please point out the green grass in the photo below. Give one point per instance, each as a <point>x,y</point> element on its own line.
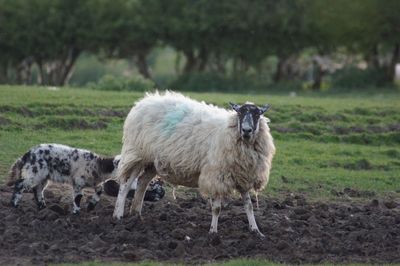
<point>325,143</point>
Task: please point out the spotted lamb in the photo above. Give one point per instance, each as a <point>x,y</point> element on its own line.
<point>63,164</point>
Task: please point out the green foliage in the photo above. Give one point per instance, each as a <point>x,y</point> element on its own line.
<point>113,83</point>
<point>212,82</point>
<point>355,78</point>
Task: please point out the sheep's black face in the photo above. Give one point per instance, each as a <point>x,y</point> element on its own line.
<point>249,116</point>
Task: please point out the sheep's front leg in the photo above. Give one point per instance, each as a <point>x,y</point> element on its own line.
<point>95,198</point>
<point>216,210</point>
<point>124,188</point>
<point>248,207</point>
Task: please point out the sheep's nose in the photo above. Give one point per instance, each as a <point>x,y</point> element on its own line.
<point>247,130</point>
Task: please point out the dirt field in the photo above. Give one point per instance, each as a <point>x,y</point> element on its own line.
<point>296,231</point>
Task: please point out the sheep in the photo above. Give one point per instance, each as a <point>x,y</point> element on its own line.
<point>63,164</point>
<point>194,144</point>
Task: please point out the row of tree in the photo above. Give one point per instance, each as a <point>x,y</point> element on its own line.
<point>52,34</point>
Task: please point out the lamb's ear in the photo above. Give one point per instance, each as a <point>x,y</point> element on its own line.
<point>264,108</point>
<point>106,165</point>
<point>234,106</point>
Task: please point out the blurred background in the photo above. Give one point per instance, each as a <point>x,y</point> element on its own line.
<point>201,45</point>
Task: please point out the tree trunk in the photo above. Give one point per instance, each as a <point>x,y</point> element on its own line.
<point>190,62</point>
<point>142,65</point>
<point>59,71</point>
<point>3,73</point>
<point>395,59</point>
<point>317,75</point>
<point>24,73</point>
<point>279,70</point>
<point>220,64</point>
<point>373,57</point>
<point>203,58</point>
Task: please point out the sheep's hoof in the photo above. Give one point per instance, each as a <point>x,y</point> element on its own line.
<point>136,215</point>
<point>41,206</point>
<point>118,216</point>
<point>214,238</point>
<point>212,232</point>
<point>258,233</point>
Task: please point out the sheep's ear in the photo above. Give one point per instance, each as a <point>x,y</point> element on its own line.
<point>264,108</point>
<point>235,106</point>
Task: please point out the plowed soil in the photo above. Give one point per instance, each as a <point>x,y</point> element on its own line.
<point>296,231</point>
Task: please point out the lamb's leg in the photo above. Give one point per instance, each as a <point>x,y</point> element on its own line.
<point>248,207</point>
<point>216,210</point>
<point>17,194</point>
<point>39,197</point>
<point>77,199</point>
<point>124,188</point>
<point>95,198</point>
<point>173,192</point>
<point>143,182</point>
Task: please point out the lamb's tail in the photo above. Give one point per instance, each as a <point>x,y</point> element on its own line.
<point>15,172</point>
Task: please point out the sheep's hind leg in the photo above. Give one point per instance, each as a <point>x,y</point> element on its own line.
<point>216,210</point>
<point>17,194</point>
<point>248,207</point>
<point>124,188</point>
<point>143,182</point>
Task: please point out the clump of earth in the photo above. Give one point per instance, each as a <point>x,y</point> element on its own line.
<point>296,231</point>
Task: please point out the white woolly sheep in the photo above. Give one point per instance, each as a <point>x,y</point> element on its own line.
<point>194,144</point>
<point>64,164</point>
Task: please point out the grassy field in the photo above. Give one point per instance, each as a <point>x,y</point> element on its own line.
<point>328,146</point>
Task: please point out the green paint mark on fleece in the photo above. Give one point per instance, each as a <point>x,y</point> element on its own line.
<point>173,118</point>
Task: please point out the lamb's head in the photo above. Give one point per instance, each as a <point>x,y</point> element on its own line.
<point>108,166</point>
<point>248,118</point>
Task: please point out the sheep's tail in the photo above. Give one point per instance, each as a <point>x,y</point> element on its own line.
<point>15,172</point>
<point>128,162</point>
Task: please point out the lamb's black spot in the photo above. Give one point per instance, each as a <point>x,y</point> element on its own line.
<point>50,146</point>
<point>25,157</point>
<point>78,200</point>
<point>33,159</point>
<point>40,163</point>
<point>61,166</point>
<point>75,158</point>
<point>47,152</point>
<point>95,175</point>
<point>48,176</point>
<point>34,169</point>
<point>106,165</point>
